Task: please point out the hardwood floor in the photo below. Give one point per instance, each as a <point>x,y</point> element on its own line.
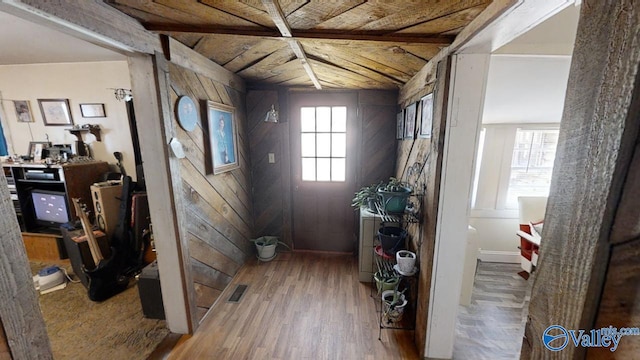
<point>298,306</point>
<point>492,326</point>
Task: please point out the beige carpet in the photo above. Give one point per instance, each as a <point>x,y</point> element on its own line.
<point>113,329</point>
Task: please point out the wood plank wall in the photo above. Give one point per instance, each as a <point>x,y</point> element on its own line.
<point>272,188</point>
<point>419,162</point>
<point>5,353</point>
<point>219,207</point>
<point>588,275</point>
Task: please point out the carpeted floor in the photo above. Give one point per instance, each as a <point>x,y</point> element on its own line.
<point>113,329</point>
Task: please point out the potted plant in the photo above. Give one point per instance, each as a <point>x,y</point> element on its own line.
<point>394,195</point>
<point>386,278</point>
<point>406,261</point>
<point>394,303</point>
<point>266,247</point>
<point>366,197</point>
<point>392,239</point>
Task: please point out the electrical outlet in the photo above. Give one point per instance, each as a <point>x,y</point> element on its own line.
<point>272,158</point>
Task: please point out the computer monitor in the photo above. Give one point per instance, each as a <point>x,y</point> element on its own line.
<point>50,208</point>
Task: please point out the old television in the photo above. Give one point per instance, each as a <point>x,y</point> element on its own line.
<point>49,208</point>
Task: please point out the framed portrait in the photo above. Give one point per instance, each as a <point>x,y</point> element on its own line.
<point>400,125</point>
<point>426,118</point>
<point>222,138</point>
<point>92,110</point>
<point>410,121</point>
<point>23,111</point>
<point>55,112</point>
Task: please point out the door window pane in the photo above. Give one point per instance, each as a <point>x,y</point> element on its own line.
<point>308,119</point>
<point>308,169</point>
<point>338,170</point>
<point>324,145</point>
<point>324,119</point>
<point>308,142</point>
<point>338,145</point>
<point>339,119</point>
<point>324,170</point>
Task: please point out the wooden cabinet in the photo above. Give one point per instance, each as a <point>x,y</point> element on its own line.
<point>73,180</point>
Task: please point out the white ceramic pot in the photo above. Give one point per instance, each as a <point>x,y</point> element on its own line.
<point>392,314</point>
<point>266,252</point>
<point>406,261</point>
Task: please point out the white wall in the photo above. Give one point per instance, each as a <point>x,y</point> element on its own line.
<point>88,82</point>
<point>521,90</point>
<point>526,89</point>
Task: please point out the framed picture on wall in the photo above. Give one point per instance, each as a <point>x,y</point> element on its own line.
<point>426,121</point>
<point>410,121</point>
<point>55,112</point>
<point>92,110</point>
<point>400,125</point>
<point>222,138</point>
<point>23,111</point>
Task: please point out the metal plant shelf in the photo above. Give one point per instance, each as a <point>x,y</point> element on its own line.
<point>406,217</point>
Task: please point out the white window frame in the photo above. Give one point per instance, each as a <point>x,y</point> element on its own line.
<point>495,169</point>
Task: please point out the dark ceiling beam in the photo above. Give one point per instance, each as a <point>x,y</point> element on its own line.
<point>274,10</point>
<point>375,36</point>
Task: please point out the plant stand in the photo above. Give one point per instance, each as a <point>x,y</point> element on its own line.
<point>410,283</point>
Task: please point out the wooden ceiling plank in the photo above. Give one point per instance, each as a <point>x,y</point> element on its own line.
<point>349,64</point>
<point>331,71</point>
<point>347,52</point>
<point>274,10</point>
<point>286,72</point>
<point>299,81</point>
<point>255,53</point>
<point>262,69</point>
<point>281,23</point>
<point>423,52</point>
<point>316,12</point>
<point>287,6</point>
<point>297,49</point>
<point>198,10</point>
<point>366,36</point>
<point>418,13</point>
<point>242,10</point>
<point>224,48</point>
<point>445,23</point>
<point>357,17</point>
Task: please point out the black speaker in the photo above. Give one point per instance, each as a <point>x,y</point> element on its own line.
<point>150,292</point>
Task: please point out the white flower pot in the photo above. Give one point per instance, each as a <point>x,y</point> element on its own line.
<point>266,252</point>
<point>392,314</point>
<point>406,261</point>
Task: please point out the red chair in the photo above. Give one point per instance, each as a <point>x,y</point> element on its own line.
<point>531,214</point>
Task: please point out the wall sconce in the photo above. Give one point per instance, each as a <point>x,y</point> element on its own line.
<point>272,115</point>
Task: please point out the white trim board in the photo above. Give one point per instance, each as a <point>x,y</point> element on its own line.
<point>492,256</point>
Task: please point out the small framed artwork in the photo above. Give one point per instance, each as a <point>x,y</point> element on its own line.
<point>92,110</point>
<point>222,138</point>
<point>55,112</point>
<point>400,125</point>
<point>410,121</point>
<point>426,120</point>
<point>23,111</point>
<point>35,149</point>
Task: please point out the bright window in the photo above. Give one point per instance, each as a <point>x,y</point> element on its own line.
<point>323,143</point>
<point>531,164</point>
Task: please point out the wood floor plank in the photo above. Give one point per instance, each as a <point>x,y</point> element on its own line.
<point>298,306</point>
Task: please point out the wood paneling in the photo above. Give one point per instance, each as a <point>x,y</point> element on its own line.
<point>375,44</point>
<point>5,353</point>
<point>586,277</point>
<point>20,314</point>
<point>219,220</point>
<point>419,162</point>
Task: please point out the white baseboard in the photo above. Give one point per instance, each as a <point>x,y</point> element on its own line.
<point>499,256</point>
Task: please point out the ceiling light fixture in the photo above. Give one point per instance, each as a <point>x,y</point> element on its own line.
<point>272,115</point>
